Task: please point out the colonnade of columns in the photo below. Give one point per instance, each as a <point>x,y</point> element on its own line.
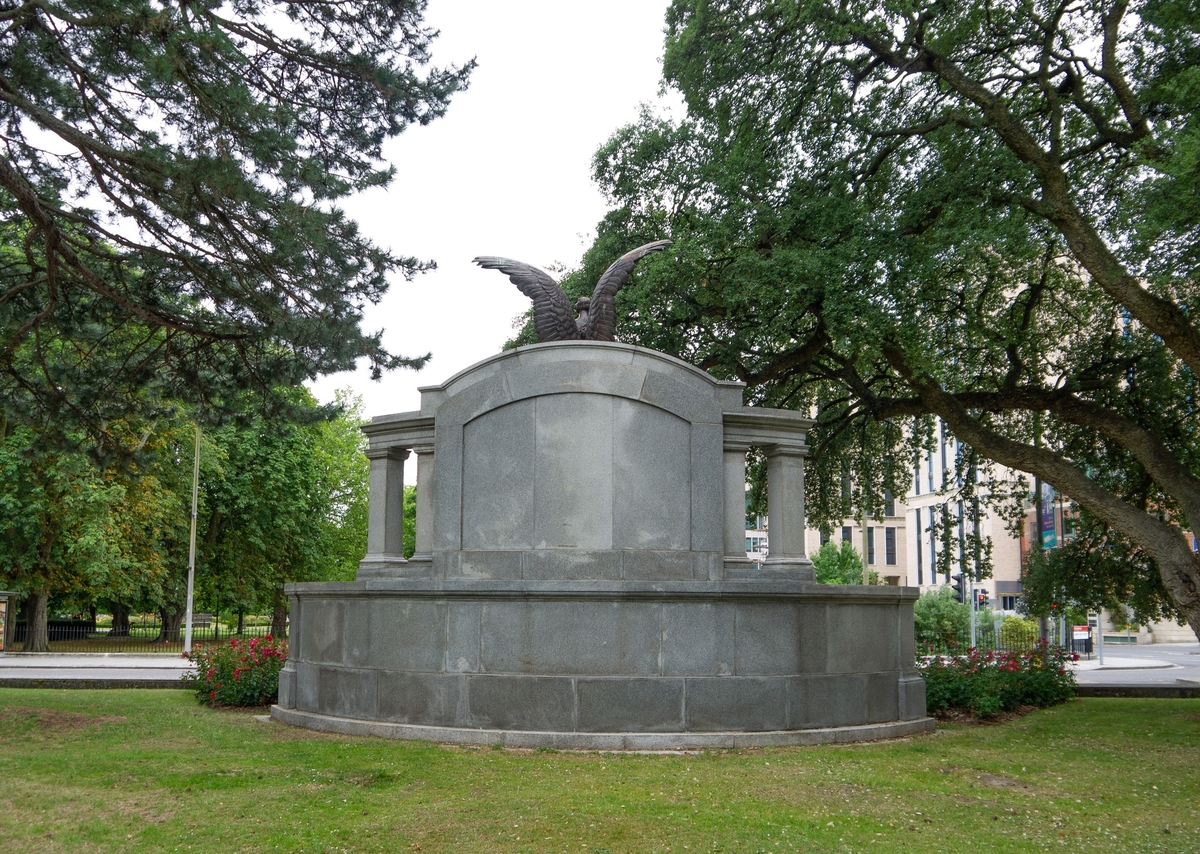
<point>780,433</point>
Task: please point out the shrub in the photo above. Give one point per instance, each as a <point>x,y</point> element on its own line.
<point>1018,633</point>
<point>834,564</point>
<point>986,683</point>
<point>940,621</point>
<point>239,673</point>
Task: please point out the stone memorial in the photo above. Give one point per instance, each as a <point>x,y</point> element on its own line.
<point>580,577</point>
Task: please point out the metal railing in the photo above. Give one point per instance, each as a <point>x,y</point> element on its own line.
<point>145,634</point>
<point>1011,638</point>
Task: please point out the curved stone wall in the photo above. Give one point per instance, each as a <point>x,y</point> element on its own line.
<point>580,578</point>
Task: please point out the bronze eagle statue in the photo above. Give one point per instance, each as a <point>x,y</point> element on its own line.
<point>553,318</point>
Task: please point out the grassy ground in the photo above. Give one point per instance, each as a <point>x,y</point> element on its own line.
<point>132,771</point>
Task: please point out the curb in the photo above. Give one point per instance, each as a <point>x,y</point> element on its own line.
<point>1164,692</point>
<point>93,683</point>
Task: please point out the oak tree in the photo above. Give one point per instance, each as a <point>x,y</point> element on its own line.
<point>983,212</point>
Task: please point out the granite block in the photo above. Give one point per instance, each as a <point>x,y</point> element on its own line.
<point>466,402</point>
<point>682,398</point>
<point>883,698</point>
<point>639,565</point>
<point>707,462</point>
<point>630,705</point>
<point>321,640</point>
<point>767,639</point>
<point>462,636</point>
<point>652,477</point>
<point>912,702</point>
<point>697,639</point>
<point>862,638</point>
<point>571,564</point>
<point>520,702</point>
<point>561,638</point>
<point>447,487</point>
<point>490,564</point>
<point>825,701</point>
<point>498,479</point>
<point>574,471</point>
<point>348,693</point>
<point>307,677</point>
<point>735,703</point>
<point>431,699</point>
<point>407,633</point>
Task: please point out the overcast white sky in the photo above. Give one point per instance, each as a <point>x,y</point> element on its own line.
<point>505,172</point>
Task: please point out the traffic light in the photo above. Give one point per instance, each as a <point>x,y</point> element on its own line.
<point>960,595</point>
<point>981,596</point>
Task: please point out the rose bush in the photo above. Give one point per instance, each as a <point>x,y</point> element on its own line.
<point>986,683</point>
<point>239,673</point>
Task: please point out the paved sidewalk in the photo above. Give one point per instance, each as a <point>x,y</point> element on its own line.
<point>1115,662</point>
<point>169,667</point>
<point>92,670</point>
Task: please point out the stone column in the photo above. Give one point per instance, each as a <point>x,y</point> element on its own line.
<point>785,511</point>
<point>735,505</point>
<point>385,519</point>
<point>423,547</point>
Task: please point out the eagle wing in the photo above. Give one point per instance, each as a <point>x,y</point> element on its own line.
<point>552,315</point>
<point>602,313</point>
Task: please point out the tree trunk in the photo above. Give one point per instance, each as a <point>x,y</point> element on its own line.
<point>279,615</point>
<point>171,623</point>
<point>241,629</point>
<point>120,621</point>
<point>1178,565</point>
<point>37,617</point>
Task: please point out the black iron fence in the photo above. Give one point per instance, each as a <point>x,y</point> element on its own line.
<point>145,633</point>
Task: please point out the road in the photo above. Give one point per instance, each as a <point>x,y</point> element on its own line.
<point>1154,664</point>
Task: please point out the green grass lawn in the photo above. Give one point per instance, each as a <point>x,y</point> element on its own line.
<point>131,771</point>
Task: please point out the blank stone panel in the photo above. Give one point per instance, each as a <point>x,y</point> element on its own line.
<point>651,478</point>
<point>498,478</point>
<point>574,466</point>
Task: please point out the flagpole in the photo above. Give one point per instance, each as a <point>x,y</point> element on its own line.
<point>191,578</point>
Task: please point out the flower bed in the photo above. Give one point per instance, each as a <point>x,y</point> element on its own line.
<point>987,683</point>
<point>238,673</point>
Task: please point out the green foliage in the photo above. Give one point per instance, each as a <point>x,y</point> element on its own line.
<point>986,683</point>
<point>281,502</point>
<point>888,212</point>
<point>168,197</point>
<point>940,621</point>
<point>1017,633</point>
<point>410,521</point>
<point>1099,568</point>
<point>238,673</point>
<point>838,565</point>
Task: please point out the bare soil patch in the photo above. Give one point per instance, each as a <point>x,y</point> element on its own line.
<point>54,720</point>
<point>966,718</point>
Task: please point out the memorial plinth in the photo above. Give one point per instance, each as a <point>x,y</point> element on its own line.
<point>580,577</point>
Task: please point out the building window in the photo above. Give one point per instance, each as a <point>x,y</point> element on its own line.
<point>931,487</point>
<point>1008,603</point>
<point>920,540</point>
<point>942,435</point>
<point>870,545</point>
<point>933,551</point>
<point>846,533</point>
<point>824,537</point>
<point>889,503</point>
<point>889,546</point>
